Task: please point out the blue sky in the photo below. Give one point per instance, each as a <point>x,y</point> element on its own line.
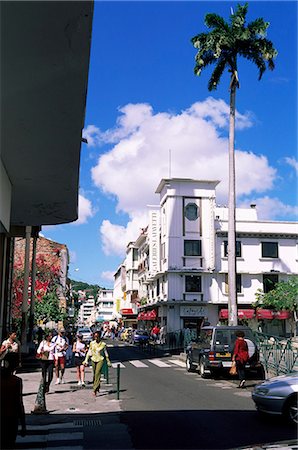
<point>144,100</point>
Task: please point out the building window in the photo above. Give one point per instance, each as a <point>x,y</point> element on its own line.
<point>193,283</point>
<point>238,283</point>
<point>135,254</point>
<point>269,250</point>
<point>163,251</point>
<point>238,249</point>
<point>191,211</point>
<point>192,248</point>
<point>269,282</point>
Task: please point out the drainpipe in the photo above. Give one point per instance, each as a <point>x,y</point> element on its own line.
<point>24,348</point>
<point>32,302</point>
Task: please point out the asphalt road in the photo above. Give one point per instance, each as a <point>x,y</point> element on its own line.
<point>164,407</point>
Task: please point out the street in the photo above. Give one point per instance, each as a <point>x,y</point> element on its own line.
<point>161,407</point>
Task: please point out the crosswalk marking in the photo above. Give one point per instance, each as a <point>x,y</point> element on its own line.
<point>177,362</point>
<point>115,364</point>
<point>138,363</point>
<point>159,363</point>
<point>46,435</point>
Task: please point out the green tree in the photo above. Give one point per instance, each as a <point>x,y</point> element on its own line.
<point>284,296</point>
<point>49,309</point>
<point>223,45</point>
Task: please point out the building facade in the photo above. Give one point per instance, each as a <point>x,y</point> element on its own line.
<point>182,257</point>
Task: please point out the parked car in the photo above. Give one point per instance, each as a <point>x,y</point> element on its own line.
<point>86,333</point>
<point>211,352</point>
<point>278,395</point>
<point>140,337</point>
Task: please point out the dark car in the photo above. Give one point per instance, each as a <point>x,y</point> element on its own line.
<point>140,337</point>
<point>212,351</point>
<point>278,395</point>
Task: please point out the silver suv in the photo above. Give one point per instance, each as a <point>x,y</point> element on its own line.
<point>212,351</point>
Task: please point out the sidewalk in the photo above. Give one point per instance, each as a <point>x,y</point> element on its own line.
<point>76,420</point>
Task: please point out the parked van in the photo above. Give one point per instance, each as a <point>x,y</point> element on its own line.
<point>211,353</point>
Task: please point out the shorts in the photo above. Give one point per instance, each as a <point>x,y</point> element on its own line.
<point>60,361</point>
<point>79,360</point>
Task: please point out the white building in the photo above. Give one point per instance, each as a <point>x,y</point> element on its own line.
<point>183,256</point>
<point>105,305</point>
<point>87,311</point>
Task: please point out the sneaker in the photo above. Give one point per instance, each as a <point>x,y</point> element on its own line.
<point>62,381</point>
<point>83,383</point>
<point>79,383</point>
<point>58,381</point>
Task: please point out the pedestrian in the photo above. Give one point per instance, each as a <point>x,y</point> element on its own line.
<point>79,349</point>
<point>12,407</point>
<point>12,346</point>
<point>69,353</point>
<point>240,356</point>
<point>155,332</point>
<point>45,353</point>
<point>60,347</point>
<point>98,354</point>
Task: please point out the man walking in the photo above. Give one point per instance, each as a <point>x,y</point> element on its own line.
<point>60,347</point>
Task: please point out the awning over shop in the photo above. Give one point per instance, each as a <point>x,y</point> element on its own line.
<point>242,313</point>
<point>147,315</point>
<point>282,315</point>
<point>265,314</point>
<point>126,312</point>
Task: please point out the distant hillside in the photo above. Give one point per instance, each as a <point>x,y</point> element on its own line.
<point>92,289</point>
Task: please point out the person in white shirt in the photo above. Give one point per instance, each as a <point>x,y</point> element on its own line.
<point>45,352</point>
<point>79,349</point>
<point>12,346</point>
<point>60,347</point>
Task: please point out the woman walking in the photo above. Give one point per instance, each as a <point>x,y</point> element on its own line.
<point>98,353</point>
<point>11,346</point>
<point>79,350</point>
<point>240,356</point>
<point>45,352</point>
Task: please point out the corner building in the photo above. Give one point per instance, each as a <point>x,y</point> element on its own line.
<point>182,257</point>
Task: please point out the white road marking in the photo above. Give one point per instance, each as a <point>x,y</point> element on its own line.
<point>115,364</point>
<point>138,364</point>
<point>177,362</point>
<point>159,363</point>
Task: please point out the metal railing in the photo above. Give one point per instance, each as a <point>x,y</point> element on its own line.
<point>278,355</point>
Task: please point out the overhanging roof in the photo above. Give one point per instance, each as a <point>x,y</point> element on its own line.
<point>45,48</point>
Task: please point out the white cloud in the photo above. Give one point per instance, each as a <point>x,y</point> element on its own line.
<point>293,163</point>
<point>271,208</point>
<point>107,275</point>
<point>116,237</point>
<point>85,210</point>
<point>139,159</point>
<point>92,134</point>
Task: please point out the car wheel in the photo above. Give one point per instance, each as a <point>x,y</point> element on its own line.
<point>202,369</point>
<point>189,365</point>
<point>291,410</point>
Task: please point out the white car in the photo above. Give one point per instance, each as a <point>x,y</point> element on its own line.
<point>86,333</point>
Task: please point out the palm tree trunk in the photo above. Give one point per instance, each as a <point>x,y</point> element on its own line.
<point>233,319</point>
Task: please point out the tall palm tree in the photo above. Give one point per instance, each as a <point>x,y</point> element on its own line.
<point>223,45</point>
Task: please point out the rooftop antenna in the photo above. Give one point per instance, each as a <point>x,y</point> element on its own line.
<point>170,163</point>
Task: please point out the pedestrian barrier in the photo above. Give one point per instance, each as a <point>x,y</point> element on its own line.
<point>278,355</point>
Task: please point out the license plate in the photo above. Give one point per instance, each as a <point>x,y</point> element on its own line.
<point>225,354</point>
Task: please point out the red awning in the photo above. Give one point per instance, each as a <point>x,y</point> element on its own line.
<point>141,316</point>
<point>246,313</point>
<point>224,314</point>
<point>126,311</point>
<point>265,314</point>
<point>152,314</point>
<point>242,313</point>
<point>282,315</point>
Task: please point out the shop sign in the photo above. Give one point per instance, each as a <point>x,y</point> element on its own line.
<point>153,241</point>
<point>193,311</point>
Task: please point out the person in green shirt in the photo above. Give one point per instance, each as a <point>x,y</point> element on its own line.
<point>98,354</point>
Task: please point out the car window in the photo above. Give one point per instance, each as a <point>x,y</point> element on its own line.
<point>205,337</point>
<point>222,337</point>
